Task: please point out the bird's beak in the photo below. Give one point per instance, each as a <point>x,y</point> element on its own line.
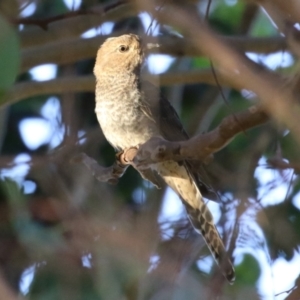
<point>152,46</point>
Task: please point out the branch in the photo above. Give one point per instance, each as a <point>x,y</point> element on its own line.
<point>285,16</point>
<point>73,50</point>
<point>25,90</point>
<point>61,52</point>
<point>275,95</point>
<point>277,163</point>
<point>200,147</point>
<point>185,46</point>
<point>281,11</point>
<point>197,148</point>
<point>44,23</point>
<point>70,84</point>
<point>104,174</point>
<point>294,293</point>
<point>72,27</point>
<point>6,292</point>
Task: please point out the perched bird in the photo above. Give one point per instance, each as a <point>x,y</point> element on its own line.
<point>131,111</point>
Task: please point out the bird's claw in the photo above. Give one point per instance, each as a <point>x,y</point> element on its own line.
<point>149,152</point>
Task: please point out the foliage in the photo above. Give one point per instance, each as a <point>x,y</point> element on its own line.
<point>83,239</point>
<point>9,55</point>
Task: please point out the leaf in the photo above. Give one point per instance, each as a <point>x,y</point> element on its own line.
<point>9,55</point>
<point>263,26</point>
<point>226,16</point>
<point>248,271</point>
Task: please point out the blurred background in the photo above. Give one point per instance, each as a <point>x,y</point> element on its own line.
<point>65,235</point>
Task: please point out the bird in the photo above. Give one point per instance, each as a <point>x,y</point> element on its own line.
<point>130,111</point>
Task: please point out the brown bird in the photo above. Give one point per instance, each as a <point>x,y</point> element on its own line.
<point>131,111</point>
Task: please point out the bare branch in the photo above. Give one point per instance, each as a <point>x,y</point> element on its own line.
<point>44,23</point>
<point>185,46</point>
<point>277,99</point>
<point>25,90</point>
<point>104,174</point>
<point>294,292</point>
<point>281,11</point>
<point>72,50</point>
<point>248,16</point>
<point>72,27</point>
<point>281,164</point>
<point>285,14</point>
<point>200,147</point>
<point>6,292</point>
<point>86,83</point>
<point>61,52</point>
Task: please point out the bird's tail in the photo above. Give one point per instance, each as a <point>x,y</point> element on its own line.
<point>180,180</point>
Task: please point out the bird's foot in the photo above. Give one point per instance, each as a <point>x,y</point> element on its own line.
<point>104,174</point>
<point>153,151</point>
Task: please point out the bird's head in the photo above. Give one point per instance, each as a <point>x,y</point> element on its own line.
<point>119,54</point>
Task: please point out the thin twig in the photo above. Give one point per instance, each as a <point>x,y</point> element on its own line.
<point>44,23</point>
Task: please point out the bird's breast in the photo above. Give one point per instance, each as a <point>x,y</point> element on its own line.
<point>122,120</point>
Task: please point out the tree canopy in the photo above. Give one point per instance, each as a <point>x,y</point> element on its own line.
<point>230,68</point>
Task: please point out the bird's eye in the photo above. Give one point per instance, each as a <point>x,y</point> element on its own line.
<point>123,48</point>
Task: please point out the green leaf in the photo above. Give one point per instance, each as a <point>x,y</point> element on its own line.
<point>9,55</point>
<point>226,16</point>
<point>201,62</point>
<point>263,26</point>
<point>248,271</point>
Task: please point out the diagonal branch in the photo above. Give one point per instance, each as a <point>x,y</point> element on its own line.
<point>202,146</point>
<point>198,148</point>
<point>276,96</point>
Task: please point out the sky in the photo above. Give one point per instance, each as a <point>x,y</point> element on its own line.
<point>48,128</point>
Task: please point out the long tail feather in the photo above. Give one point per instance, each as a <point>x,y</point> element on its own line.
<point>180,180</point>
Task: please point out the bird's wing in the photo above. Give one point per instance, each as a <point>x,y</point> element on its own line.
<point>172,130</point>
<point>184,179</point>
<point>160,109</point>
